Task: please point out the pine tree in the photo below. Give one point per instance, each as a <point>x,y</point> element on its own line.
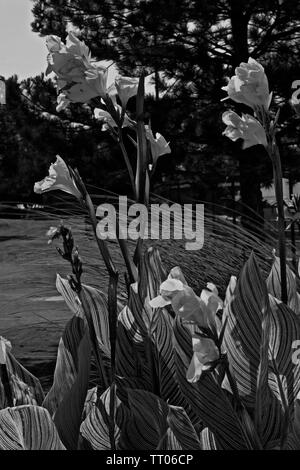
<point>190,47</point>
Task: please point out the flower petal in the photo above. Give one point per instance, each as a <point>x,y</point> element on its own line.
<point>159,302</point>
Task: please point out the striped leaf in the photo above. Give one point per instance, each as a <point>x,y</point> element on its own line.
<point>66,398</point>
<point>284,374</point>
<point>68,415</point>
<point>92,306</point>
<point>69,296</point>
<point>208,441</point>
<point>163,353</point>
<point>28,427</point>
<point>246,335</point>
<point>182,428</point>
<point>206,398</point>
<point>169,442</point>
<point>24,387</point>
<point>152,274</point>
<point>148,423</point>
<point>133,353</point>
<point>145,344</point>
<point>90,401</point>
<point>95,427</point>
<point>274,285</point>
<point>95,307</point>
<point>293,439</point>
<point>66,368</point>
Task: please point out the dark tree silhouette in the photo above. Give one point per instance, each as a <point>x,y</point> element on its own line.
<point>189,47</point>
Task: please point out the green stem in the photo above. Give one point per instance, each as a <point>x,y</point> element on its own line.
<point>128,164</point>
<point>101,244</point>
<point>273,151</point>
<point>141,168</point>
<point>112,311</point>
<point>277,172</point>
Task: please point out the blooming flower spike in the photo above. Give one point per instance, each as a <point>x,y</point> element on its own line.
<point>59,178</point>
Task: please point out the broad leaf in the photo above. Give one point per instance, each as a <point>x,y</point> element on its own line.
<point>24,387</point>
<point>92,306</point>
<point>274,285</point>
<point>66,368</point>
<point>68,415</point>
<point>284,374</point>
<point>206,398</point>
<point>208,441</point>
<point>163,354</point>
<point>96,426</point>
<point>28,427</point>
<point>293,438</point>
<point>182,429</point>
<point>148,423</point>
<point>247,334</point>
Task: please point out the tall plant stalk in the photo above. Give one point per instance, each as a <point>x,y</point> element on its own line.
<point>273,152</point>
<point>112,310</point>
<point>277,172</point>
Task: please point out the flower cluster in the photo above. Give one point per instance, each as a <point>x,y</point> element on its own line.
<point>248,86</point>
<point>79,79</point>
<point>201,311</point>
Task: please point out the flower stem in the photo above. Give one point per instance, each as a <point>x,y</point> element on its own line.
<point>127,161</point>
<point>112,310</point>
<point>274,155</point>
<point>277,172</point>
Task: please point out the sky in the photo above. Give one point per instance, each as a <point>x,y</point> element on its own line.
<point>22,52</point>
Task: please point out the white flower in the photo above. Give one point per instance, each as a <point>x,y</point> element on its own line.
<point>108,121</point>
<point>77,77</point>
<point>97,80</point>
<point>77,47</point>
<point>59,178</point>
<point>159,145</point>
<point>54,43</point>
<point>168,290</point>
<point>249,85</point>
<point>205,352</point>
<point>185,303</point>
<point>126,88</point>
<point>246,127</point>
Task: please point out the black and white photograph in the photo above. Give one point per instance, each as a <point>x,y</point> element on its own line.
<point>149,228</point>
